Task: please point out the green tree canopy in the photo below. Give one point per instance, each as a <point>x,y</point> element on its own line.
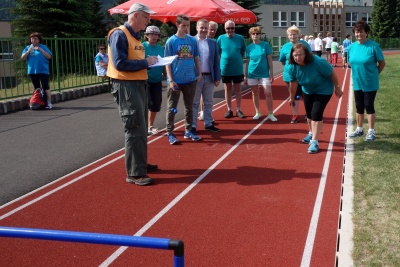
<point>64,18</point>
<point>386,19</point>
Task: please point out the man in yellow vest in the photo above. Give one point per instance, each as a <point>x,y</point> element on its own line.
<point>127,68</point>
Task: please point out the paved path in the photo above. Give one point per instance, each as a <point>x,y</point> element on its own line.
<point>38,147</point>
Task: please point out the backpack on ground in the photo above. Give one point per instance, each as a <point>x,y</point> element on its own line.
<point>38,99</point>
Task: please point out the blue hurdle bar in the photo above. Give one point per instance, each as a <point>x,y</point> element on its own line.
<point>96,238</point>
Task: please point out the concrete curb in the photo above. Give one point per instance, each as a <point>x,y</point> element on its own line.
<point>22,103</point>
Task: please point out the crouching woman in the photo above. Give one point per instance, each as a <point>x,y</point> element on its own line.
<point>318,81</point>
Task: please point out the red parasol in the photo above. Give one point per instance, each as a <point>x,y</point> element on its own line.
<point>216,10</point>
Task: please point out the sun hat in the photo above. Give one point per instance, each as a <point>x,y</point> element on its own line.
<point>140,7</point>
<point>152,29</point>
<point>310,36</point>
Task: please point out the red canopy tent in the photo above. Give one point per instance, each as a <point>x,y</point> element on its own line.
<point>216,10</point>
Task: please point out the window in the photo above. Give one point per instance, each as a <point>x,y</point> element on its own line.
<point>279,19</point>
<point>366,17</point>
<point>6,53</point>
<point>297,18</point>
<point>351,19</point>
<point>277,43</point>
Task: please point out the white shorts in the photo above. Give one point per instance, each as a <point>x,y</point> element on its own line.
<point>262,81</point>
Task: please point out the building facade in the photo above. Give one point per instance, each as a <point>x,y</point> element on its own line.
<point>337,17</point>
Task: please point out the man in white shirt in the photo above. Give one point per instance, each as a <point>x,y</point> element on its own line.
<point>211,76</point>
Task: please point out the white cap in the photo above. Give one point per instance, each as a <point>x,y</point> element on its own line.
<point>140,7</point>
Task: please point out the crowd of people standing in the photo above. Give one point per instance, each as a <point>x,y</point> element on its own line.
<point>202,62</point>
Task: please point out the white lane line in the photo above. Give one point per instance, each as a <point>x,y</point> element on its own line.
<point>148,225</point>
<point>312,230</point>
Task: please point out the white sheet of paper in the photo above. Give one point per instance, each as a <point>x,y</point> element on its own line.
<point>162,61</point>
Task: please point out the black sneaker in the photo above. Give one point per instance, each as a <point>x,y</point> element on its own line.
<point>212,128</point>
<point>152,167</point>
<point>139,180</point>
<point>240,114</point>
<point>229,114</point>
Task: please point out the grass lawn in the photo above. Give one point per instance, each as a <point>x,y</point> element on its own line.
<point>376,178</point>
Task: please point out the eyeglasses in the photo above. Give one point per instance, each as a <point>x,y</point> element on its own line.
<point>256,33</point>
<point>144,16</point>
<point>102,48</point>
<point>298,55</point>
<point>230,28</point>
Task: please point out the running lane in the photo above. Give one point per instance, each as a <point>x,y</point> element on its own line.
<point>250,195</point>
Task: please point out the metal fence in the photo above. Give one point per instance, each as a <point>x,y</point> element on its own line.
<point>71,66</point>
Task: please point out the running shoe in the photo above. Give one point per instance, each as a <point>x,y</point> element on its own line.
<point>172,139</point>
<point>307,139</point>
<point>212,128</point>
<point>229,114</point>
<point>257,116</point>
<point>152,167</point>
<point>240,114</point>
<point>271,117</point>
<point>139,180</point>
<point>370,136</point>
<point>313,148</point>
<point>49,105</point>
<point>356,133</point>
<point>295,119</point>
<point>192,136</point>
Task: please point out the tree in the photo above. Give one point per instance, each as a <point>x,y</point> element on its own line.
<point>249,5</point>
<point>64,18</point>
<point>385,19</point>
<point>115,20</point>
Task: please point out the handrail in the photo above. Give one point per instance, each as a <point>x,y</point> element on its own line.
<point>99,238</point>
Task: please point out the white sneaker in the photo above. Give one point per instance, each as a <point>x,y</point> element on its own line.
<point>257,116</point>
<point>49,105</point>
<point>201,117</point>
<point>271,117</point>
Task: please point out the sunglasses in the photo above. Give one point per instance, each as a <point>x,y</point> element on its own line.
<point>230,28</point>
<point>102,48</point>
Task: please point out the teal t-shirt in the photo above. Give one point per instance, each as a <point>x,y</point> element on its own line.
<point>313,77</point>
<point>363,59</point>
<point>155,74</point>
<point>231,50</point>
<point>284,56</point>
<point>258,63</point>
<point>184,67</point>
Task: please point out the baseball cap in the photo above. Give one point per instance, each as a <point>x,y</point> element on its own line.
<point>152,29</point>
<point>140,7</point>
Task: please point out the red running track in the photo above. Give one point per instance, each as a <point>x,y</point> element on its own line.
<point>250,195</point>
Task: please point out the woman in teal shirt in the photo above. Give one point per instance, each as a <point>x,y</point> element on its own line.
<point>258,72</point>
<point>293,34</point>
<point>318,81</point>
<point>367,61</point>
<point>154,93</point>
